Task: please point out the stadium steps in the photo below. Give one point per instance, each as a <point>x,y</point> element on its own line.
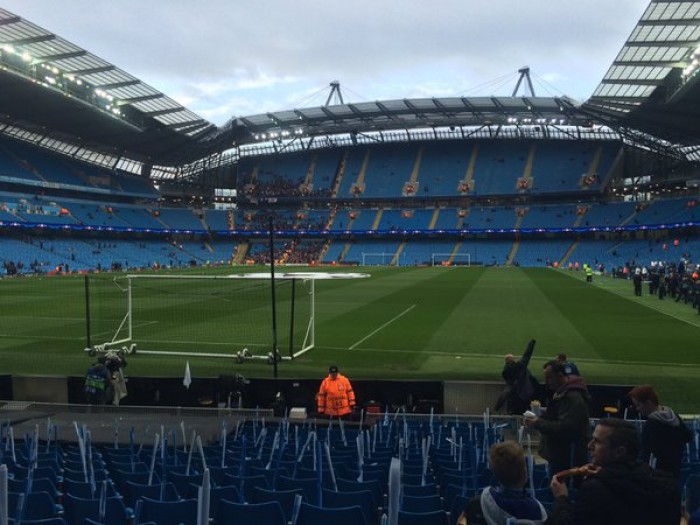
<point>310,172</point>
<point>378,218</point>
<point>360,182</point>
<point>115,214</point>
<point>324,251</point>
<point>527,171</point>
<point>331,218</point>
<point>579,218</point>
<point>455,251</point>
<point>241,252</point>
<point>159,220</point>
<point>433,220</point>
<point>254,175</point>
<point>395,259</point>
<point>460,220</point>
<point>628,219</point>
<point>469,175</point>
<point>340,173</point>
<point>568,253</point>
<point>415,172</point>
<point>513,252</point>
<point>345,251</point>
<point>616,167</point>
<point>593,167</point>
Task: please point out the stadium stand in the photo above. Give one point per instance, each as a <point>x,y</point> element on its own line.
<point>478,189</point>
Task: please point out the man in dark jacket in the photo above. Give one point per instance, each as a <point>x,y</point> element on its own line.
<point>97,381</point>
<point>564,427</point>
<point>521,386</point>
<point>619,488</point>
<point>664,434</point>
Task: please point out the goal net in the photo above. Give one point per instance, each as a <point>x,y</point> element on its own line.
<point>377,259</point>
<point>450,259</point>
<point>202,315</point>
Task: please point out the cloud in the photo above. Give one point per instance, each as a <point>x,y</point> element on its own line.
<point>219,56</point>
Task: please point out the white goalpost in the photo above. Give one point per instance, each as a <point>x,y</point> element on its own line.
<point>377,259</point>
<point>229,316</point>
<point>449,259</point>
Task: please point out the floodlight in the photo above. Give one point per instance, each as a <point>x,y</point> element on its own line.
<point>26,57</point>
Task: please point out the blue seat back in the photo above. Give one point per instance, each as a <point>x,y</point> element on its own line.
<point>268,513</point>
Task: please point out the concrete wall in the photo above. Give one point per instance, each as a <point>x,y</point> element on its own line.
<point>448,397</point>
<point>45,389</point>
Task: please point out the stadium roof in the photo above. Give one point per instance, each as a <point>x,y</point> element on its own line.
<point>57,90</point>
<point>51,84</point>
<point>410,113</point>
<point>652,85</point>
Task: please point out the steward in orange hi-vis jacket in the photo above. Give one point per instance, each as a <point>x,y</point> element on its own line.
<point>336,396</point>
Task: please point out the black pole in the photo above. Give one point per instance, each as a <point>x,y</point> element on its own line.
<point>291,320</point>
<point>87,311</point>
<point>275,354</point>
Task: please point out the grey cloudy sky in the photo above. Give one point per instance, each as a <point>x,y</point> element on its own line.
<point>222,58</point>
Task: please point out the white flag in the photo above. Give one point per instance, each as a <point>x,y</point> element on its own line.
<point>187,381</point>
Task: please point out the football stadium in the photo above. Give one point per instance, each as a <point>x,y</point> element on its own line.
<point>217,272</point>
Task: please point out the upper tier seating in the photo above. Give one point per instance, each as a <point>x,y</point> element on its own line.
<point>22,163</point>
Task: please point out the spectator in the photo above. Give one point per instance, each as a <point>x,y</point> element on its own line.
<point>496,505</point>
<point>97,382</point>
<point>564,426</point>
<point>336,397</point>
<point>520,385</point>
<point>617,488</point>
<point>664,434</point>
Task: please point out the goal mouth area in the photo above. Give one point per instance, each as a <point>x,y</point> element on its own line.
<point>298,333</point>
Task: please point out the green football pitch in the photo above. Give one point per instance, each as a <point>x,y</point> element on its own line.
<point>401,323</point>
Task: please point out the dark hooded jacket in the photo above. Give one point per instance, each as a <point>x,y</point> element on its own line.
<point>520,387</point>
<point>564,428</point>
<point>665,436</point>
<point>629,492</point>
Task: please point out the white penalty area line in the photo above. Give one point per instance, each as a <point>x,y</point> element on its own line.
<point>382,327</point>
